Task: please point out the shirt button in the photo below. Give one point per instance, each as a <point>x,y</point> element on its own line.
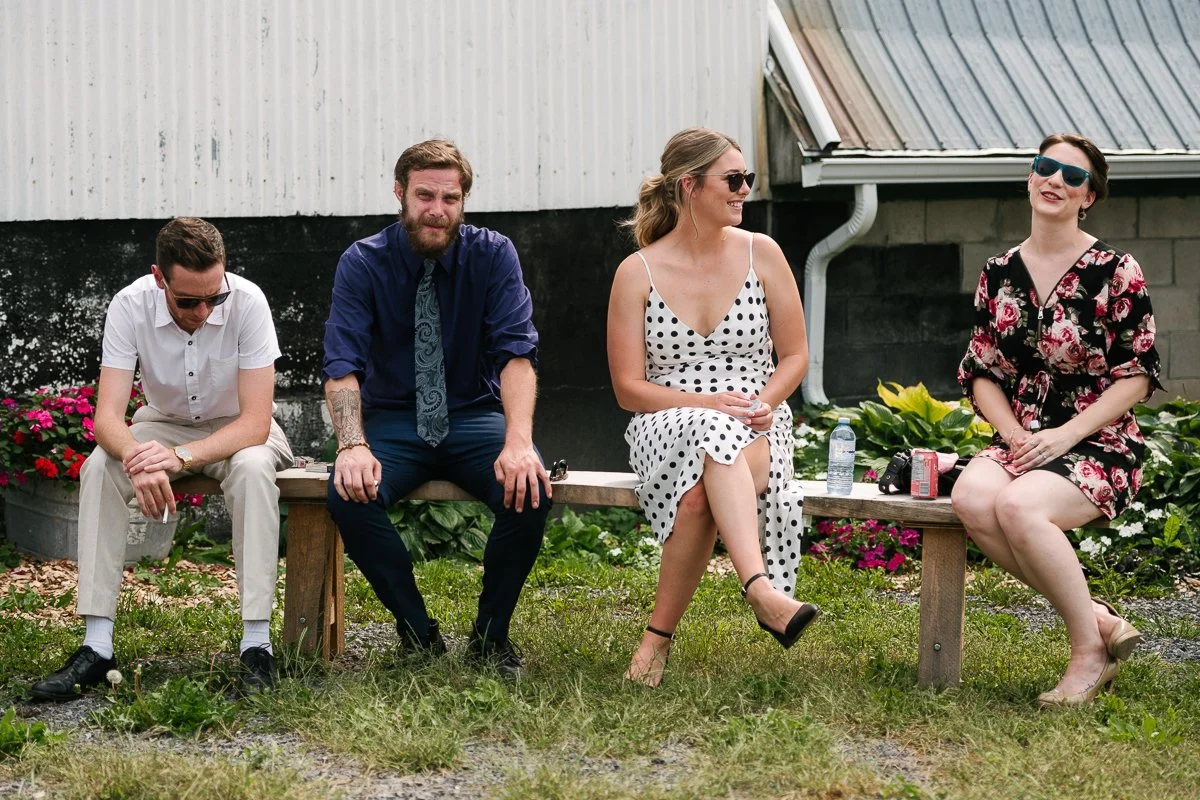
<point>190,374</point>
<point>193,397</point>
<point>189,342</point>
<point>195,418</point>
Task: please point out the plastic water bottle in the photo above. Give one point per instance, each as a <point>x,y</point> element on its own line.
<point>840,476</point>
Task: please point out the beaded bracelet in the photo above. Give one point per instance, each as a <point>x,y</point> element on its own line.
<point>349,445</point>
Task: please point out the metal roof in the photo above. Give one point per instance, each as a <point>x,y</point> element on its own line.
<point>992,77</point>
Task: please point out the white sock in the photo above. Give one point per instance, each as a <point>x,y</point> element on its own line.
<point>256,633</point>
<point>99,635</point>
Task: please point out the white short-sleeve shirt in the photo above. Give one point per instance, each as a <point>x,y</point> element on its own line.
<point>189,376</point>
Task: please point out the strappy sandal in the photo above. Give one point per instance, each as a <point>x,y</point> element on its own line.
<point>670,637</point>
<point>796,625</point>
<point>1123,638</point>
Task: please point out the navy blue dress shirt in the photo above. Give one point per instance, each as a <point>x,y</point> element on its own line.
<point>487,317</point>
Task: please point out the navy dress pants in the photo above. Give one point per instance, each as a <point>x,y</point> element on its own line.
<point>465,457</point>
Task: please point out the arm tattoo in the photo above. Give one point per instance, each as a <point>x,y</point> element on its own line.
<point>346,415</point>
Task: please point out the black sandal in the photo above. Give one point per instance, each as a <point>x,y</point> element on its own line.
<point>796,625</point>
<point>670,637</point>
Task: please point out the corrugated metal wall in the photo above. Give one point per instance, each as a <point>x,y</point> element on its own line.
<point>145,108</point>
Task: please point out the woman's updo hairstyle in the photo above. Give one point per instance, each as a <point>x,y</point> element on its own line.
<point>660,199</point>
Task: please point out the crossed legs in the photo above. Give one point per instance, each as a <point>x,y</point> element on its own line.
<point>1018,523</point>
<point>725,500</point>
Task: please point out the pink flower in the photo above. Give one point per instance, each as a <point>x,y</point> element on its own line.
<point>20,477</point>
<point>1121,308</point>
<point>1143,339</point>
<point>870,475</point>
<point>1069,285</point>
<point>8,402</point>
<point>895,562</point>
<point>3,479</point>
<point>83,407</point>
<point>89,429</point>
<point>1007,313</point>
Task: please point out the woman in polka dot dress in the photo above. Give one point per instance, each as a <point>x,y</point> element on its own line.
<point>692,321</point>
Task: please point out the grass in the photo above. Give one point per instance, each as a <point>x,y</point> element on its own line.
<point>838,716</point>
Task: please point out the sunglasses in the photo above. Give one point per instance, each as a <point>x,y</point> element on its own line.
<point>734,179</point>
<point>558,471</point>
<point>1073,176</point>
<point>187,303</point>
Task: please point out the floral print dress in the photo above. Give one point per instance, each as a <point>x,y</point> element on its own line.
<point>1054,358</point>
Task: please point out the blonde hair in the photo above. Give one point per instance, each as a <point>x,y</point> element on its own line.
<point>660,198</point>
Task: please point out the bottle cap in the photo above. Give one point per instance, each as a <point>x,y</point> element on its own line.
<point>843,420</point>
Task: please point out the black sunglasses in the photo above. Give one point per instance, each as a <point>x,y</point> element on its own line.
<point>558,470</point>
<point>734,179</point>
<point>188,303</point>
<point>1073,176</point>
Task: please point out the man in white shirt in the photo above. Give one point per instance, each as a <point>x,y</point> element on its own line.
<point>205,344</point>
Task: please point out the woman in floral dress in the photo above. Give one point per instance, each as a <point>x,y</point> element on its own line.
<point>1061,351</point>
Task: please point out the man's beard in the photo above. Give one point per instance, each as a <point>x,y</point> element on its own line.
<point>430,244</point>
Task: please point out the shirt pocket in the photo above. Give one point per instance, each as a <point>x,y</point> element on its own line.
<point>223,375</point>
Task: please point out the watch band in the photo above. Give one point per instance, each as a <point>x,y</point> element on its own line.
<point>185,458</point>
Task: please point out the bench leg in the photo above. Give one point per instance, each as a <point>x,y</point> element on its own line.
<point>943,600</point>
<point>314,593</point>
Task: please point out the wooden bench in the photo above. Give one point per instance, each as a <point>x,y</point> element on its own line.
<point>314,590</point>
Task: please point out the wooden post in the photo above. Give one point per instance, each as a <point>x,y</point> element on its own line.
<point>943,600</point>
<point>314,591</point>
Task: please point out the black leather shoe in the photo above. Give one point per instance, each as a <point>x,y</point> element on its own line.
<point>501,654</point>
<point>83,670</point>
<point>258,669</point>
<point>411,645</point>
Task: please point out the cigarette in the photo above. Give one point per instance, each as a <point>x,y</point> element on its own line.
<point>165,510</point>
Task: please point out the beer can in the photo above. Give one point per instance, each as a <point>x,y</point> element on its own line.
<point>924,474</point>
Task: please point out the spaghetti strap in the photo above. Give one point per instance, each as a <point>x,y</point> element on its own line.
<point>752,250</point>
<point>646,264</point>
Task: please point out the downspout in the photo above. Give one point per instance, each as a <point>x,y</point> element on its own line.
<point>779,36</point>
<point>816,267</point>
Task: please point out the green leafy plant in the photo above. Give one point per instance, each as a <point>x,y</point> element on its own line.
<point>617,536</point>
<point>17,736</point>
<point>1124,724</point>
<point>183,706</point>
<point>910,417</point>
<point>440,528</point>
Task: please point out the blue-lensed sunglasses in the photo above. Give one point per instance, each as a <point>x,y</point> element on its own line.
<point>1073,176</point>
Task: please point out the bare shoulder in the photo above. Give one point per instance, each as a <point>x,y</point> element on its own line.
<point>631,275</point>
<point>769,261</point>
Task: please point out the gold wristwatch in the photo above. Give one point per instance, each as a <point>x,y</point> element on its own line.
<point>185,458</point>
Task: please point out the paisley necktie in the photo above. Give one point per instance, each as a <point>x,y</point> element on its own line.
<point>433,420</point>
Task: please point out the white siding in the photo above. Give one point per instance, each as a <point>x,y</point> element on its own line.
<point>118,109</point>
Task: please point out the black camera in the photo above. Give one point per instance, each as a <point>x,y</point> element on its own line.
<point>898,475</point>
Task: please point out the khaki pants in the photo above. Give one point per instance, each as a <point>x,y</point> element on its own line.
<point>248,481</point>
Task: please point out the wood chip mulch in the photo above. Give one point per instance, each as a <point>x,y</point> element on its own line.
<point>45,590</point>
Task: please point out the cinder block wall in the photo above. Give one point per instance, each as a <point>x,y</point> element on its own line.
<point>1163,233</point>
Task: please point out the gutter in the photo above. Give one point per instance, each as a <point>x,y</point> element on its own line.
<point>854,170</point>
<point>800,79</point>
<point>816,267</point>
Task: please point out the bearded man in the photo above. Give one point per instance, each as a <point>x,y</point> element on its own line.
<point>430,359</point>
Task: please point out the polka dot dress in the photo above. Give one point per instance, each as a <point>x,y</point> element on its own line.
<point>667,448</point>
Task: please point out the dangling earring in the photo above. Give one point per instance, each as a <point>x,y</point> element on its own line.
<point>1082,214</point>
